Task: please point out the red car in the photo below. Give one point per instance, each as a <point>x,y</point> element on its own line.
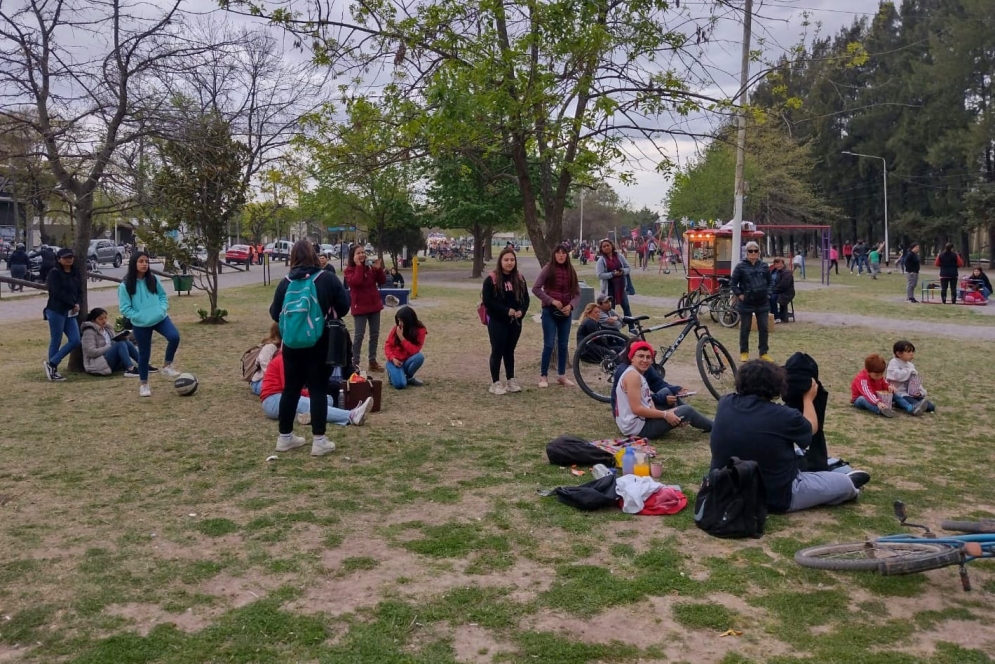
<point>237,253</point>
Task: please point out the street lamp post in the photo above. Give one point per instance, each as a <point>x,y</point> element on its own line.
<point>581,216</point>
<point>887,249</point>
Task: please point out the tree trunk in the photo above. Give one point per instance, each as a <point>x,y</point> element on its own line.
<point>991,245</point>
<point>81,243</point>
<point>489,245</point>
<point>479,234</point>
<point>542,241</point>
<point>965,247</point>
<point>212,282</point>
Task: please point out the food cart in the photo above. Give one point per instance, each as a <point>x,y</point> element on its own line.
<point>708,251</point>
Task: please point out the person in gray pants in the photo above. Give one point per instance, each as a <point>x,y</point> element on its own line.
<point>912,273</point>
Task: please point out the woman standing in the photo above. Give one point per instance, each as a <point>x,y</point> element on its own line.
<point>612,269</point>
<point>363,282</point>
<point>305,365</point>
<point>65,292</point>
<point>948,261</point>
<point>506,298</point>
<point>142,299</point>
<point>403,349</point>
<point>558,289</point>
<point>102,356</point>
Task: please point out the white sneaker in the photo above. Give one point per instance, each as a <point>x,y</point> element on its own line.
<point>304,418</point>
<point>513,385</point>
<point>168,370</point>
<point>285,443</point>
<point>322,446</point>
<point>497,388</point>
<point>144,390</point>
<point>358,414</point>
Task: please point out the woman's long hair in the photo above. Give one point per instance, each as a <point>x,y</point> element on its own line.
<point>949,249</point>
<point>601,243</point>
<point>274,335</point>
<point>131,277</point>
<point>551,275</point>
<point>302,254</point>
<point>407,317</point>
<point>521,288</point>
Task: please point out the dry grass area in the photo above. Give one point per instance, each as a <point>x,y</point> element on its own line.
<point>154,530</point>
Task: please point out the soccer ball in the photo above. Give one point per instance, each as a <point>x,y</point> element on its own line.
<point>185,384</point>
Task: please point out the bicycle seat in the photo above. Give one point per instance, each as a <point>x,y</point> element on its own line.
<point>629,320</point>
<point>723,281</point>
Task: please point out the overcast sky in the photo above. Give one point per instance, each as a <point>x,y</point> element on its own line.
<point>778,23</point>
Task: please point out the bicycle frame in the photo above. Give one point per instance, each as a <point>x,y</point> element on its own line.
<point>692,322</point>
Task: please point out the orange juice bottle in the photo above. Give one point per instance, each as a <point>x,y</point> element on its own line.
<point>642,467</point>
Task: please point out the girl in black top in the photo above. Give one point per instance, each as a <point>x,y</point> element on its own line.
<point>948,261</point>
<point>506,298</point>
<point>65,293</point>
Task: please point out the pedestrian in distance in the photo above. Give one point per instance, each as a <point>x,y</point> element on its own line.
<point>948,261</point>
<point>912,272</point>
<point>65,293</point>
<point>612,269</point>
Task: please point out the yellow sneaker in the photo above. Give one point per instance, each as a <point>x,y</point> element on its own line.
<point>744,357</point>
<point>766,356</point>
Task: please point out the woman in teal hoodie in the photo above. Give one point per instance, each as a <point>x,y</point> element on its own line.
<point>142,300</point>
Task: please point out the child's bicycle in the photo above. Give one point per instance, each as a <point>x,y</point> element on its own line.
<point>907,554</point>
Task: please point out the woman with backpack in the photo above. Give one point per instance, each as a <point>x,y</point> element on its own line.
<point>364,282</point>
<point>558,288</point>
<point>948,261</point>
<point>505,295</point>
<point>142,300</point>
<point>302,302</point>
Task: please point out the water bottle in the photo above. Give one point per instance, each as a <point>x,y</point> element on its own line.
<point>628,461</point>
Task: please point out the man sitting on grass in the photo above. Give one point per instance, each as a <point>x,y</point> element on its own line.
<point>749,425</point>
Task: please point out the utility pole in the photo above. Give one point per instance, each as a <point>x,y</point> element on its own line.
<point>744,99</point>
<point>581,216</point>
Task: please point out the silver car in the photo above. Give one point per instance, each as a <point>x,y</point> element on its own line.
<point>105,251</point>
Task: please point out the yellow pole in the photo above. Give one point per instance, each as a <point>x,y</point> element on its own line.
<point>414,277</point>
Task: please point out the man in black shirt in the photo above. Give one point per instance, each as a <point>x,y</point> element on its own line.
<point>749,425</point>
<point>912,273</point>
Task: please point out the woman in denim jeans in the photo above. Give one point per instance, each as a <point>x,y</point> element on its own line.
<point>558,288</point>
<point>65,292</point>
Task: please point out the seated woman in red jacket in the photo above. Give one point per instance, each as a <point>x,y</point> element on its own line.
<point>403,349</point>
<point>272,388</point>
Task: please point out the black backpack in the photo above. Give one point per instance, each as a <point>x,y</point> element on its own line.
<point>732,501</point>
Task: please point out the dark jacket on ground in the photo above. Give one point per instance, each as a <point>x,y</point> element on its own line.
<point>801,369</point>
<point>948,262</point>
<point>331,295</point>
<point>912,262</point>
<point>752,281</point>
<point>65,290</point>
<point>499,303</point>
<point>784,288</point>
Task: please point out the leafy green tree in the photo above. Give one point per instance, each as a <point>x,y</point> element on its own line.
<point>199,190</point>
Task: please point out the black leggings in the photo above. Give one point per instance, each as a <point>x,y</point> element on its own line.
<point>305,366</point>
<point>951,283</point>
<point>504,340</point>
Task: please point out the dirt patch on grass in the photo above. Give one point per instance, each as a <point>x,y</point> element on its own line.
<point>966,634</point>
<point>241,590</point>
<point>476,645</point>
<point>147,616</point>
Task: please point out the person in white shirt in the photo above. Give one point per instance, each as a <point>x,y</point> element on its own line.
<point>903,376</point>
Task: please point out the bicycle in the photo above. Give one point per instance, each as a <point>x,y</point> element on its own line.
<point>599,354</point>
<point>907,554</point>
<point>723,310</point>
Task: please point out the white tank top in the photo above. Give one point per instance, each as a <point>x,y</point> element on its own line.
<point>628,422</point>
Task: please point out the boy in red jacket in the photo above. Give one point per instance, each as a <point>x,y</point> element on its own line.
<point>866,385</point>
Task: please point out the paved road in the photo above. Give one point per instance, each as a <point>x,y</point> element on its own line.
<point>16,307</point>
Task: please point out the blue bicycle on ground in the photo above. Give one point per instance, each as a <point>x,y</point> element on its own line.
<point>907,554</point>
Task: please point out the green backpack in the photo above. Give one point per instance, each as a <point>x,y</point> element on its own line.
<point>302,322</point>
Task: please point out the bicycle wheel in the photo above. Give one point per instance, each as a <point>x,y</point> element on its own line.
<point>884,557</point>
<point>983,526</point>
<point>716,366</point>
<point>595,360</point>
<point>730,312</point>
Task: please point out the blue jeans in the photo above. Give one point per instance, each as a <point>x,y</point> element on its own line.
<point>399,376</point>
<point>256,387</point>
<point>271,407</point>
<point>863,404</point>
<point>59,324</point>
<point>862,262</point>
<point>554,329</point>
<point>910,402</point>
<point>143,335</point>
<point>121,355</point>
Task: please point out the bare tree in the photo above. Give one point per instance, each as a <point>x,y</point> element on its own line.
<point>80,77</point>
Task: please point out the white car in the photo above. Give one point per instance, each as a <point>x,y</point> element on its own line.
<point>329,250</point>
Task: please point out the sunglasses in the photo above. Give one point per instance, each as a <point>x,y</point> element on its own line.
<point>753,251</point>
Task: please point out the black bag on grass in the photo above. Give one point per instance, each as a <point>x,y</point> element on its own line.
<point>732,501</point>
<point>574,451</point>
<point>590,496</point>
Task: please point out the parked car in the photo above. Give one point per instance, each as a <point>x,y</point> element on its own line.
<point>330,250</point>
<point>105,251</point>
<point>279,250</point>
<point>237,253</point>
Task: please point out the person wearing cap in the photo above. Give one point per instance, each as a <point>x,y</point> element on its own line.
<point>750,283</point>
<point>634,411</point>
<point>606,313</point>
<point>558,288</point>
<point>65,293</point>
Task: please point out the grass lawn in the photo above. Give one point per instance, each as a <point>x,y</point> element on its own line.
<point>154,530</point>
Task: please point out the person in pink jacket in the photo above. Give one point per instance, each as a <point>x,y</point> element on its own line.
<point>364,282</point>
<point>403,349</point>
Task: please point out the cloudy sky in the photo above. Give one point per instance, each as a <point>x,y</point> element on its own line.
<point>777,25</point>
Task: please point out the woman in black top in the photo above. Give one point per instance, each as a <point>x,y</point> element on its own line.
<point>948,262</point>
<point>506,298</point>
<point>65,293</point>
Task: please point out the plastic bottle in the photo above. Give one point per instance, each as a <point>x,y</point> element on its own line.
<point>642,466</point>
<point>628,461</point>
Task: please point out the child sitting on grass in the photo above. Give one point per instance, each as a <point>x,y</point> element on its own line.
<point>906,381</point>
<point>867,384</point>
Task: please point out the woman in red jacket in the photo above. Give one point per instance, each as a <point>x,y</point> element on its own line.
<point>363,282</point>
<point>403,349</point>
